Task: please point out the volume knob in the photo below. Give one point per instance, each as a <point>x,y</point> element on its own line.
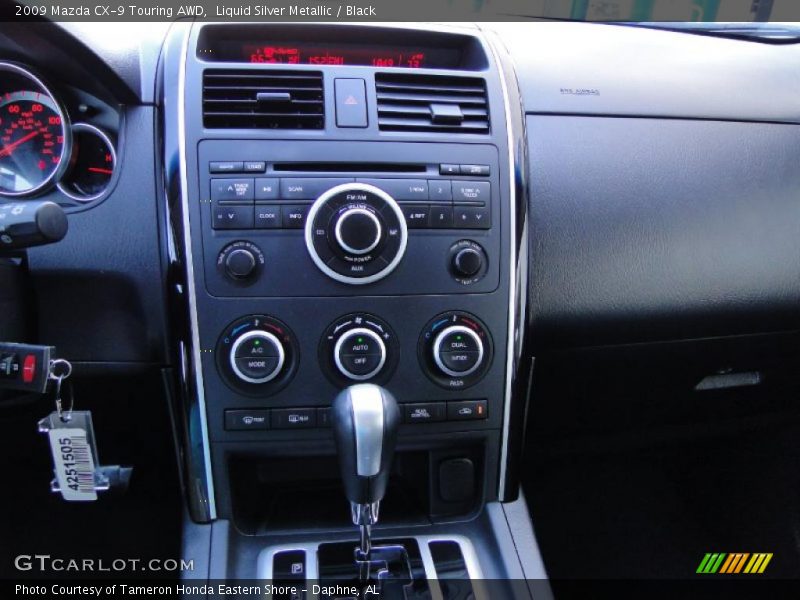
<point>358,231</point>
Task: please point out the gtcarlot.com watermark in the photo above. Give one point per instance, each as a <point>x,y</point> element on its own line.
<point>45,563</point>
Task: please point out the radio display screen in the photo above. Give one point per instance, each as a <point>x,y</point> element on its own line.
<point>339,54</point>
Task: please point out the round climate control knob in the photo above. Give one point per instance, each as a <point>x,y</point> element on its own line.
<point>359,347</point>
<point>356,233</point>
<point>455,350</point>
<point>359,354</point>
<point>257,357</point>
<point>458,351</point>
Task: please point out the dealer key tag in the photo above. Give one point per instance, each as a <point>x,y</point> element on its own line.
<point>77,475</point>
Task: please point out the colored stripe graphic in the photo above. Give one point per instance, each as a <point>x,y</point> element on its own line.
<point>734,563</point>
<point>711,562</point>
<point>758,563</point>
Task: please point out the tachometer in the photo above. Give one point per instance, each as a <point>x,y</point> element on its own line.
<point>34,133</point>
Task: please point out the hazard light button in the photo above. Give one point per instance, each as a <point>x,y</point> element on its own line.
<point>351,102</point>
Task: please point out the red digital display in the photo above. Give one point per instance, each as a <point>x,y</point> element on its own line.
<point>349,55</point>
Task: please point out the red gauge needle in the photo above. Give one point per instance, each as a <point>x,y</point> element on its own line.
<point>7,150</point>
<point>99,170</point>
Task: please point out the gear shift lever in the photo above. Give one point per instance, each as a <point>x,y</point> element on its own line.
<point>365,419</point>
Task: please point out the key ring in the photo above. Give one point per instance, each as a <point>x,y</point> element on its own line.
<point>59,377</point>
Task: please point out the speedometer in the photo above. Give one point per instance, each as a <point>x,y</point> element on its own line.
<point>34,133</point>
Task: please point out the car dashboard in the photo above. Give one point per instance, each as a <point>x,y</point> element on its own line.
<point>261,215</point>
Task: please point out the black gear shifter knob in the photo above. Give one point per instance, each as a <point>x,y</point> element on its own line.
<point>365,419</point>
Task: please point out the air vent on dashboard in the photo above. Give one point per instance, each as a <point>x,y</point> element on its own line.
<point>411,102</point>
<point>263,99</point>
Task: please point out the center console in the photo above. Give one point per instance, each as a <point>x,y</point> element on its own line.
<point>346,215</point>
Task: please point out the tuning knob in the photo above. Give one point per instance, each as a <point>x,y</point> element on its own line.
<point>240,261</point>
<point>468,262</point>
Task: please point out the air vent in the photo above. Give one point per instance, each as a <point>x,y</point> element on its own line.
<point>432,103</point>
<point>263,99</point>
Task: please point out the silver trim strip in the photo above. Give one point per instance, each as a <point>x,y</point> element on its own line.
<point>512,274</point>
<point>338,347</point>
<point>272,340</point>
<point>192,292</point>
<point>437,344</point>
<point>355,187</point>
<point>368,419</point>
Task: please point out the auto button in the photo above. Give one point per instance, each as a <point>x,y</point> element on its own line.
<point>359,354</point>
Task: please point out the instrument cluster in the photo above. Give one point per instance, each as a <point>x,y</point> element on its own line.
<point>42,148</point>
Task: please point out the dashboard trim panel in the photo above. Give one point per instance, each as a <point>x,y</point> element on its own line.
<point>191,286</point>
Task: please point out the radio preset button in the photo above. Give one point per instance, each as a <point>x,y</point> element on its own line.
<point>440,190</point>
<point>401,189</point>
<point>417,216</point>
<point>472,217</point>
<point>441,217</point>
<point>471,191</point>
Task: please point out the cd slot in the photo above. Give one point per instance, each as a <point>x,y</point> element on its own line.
<point>347,167</point>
